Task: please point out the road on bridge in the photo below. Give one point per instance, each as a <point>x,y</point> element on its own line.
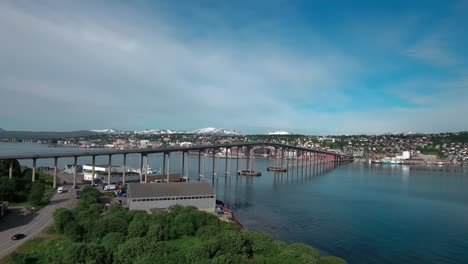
<point>12,223</point>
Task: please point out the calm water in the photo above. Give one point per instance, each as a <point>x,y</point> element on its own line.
<point>363,213</point>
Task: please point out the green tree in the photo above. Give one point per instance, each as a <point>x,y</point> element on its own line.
<point>5,168</point>
<point>108,224</point>
<point>235,242</point>
<point>74,231</point>
<point>138,227</point>
<point>112,240</point>
<point>62,217</point>
<point>37,192</point>
<point>298,253</point>
<point>7,189</point>
<point>331,260</point>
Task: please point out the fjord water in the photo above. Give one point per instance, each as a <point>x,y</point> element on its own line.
<point>363,213</point>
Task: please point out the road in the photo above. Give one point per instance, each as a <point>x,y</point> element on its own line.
<point>32,228</point>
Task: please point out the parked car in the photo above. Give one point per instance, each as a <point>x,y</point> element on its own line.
<point>60,189</point>
<point>111,187</point>
<point>17,236</point>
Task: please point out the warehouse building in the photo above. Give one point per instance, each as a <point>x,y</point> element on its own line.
<point>164,195</point>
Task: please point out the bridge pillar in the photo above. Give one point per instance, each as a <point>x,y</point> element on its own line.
<point>146,165</point>
<point>168,166</point>
<point>226,165</point>
<point>141,168</point>
<point>109,170</point>
<point>237,162</point>
<point>199,165</point>
<point>251,159</point>
<point>10,170</point>
<point>214,160</point>
<point>203,165</point>
<point>183,164</point>
<point>34,170</point>
<point>54,185</point>
<point>302,162</point>
<point>164,164</point>
<point>75,171</point>
<point>187,167</point>
<point>124,168</point>
<point>282,157</point>
<point>247,158</point>
<point>92,170</point>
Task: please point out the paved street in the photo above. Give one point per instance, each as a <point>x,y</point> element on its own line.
<point>20,221</point>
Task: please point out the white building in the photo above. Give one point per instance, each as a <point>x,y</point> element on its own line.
<point>101,172</point>
<point>164,195</point>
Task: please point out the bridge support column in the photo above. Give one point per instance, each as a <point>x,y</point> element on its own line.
<point>183,164</point>
<point>109,169</point>
<point>10,170</point>
<point>146,165</point>
<point>54,185</point>
<point>75,171</point>
<point>302,161</point>
<point>199,165</point>
<point>247,158</point>
<point>187,167</point>
<point>164,163</point>
<point>203,171</point>
<point>34,170</point>
<point>237,165</point>
<point>124,168</point>
<point>251,159</point>
<point>214,160</point>
<point>92,170</point>
<point>141,168</point>
<point>226,165</point>
<point>168,166</point>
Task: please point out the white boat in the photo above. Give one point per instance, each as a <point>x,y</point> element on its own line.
<point>391,162</point>
<point>149,171</point>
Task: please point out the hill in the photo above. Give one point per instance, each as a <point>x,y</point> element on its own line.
<point>44,134</point>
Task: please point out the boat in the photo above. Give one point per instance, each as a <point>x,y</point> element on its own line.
<point>391,162</point>
<point>250,173</point>
<point>277,169</point>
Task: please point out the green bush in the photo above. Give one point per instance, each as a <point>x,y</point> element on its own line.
<point>332,260</point>
<point>37,191</point>
<point>62,217</point>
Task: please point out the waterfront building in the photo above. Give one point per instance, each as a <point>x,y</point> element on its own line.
<point>101,173</point>
<point>164,195</point>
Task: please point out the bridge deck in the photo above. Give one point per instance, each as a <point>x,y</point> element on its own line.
<point>158,150</point>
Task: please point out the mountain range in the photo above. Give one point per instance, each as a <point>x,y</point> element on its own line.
<point>209,131</point>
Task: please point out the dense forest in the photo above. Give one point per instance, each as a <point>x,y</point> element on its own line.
<point>179,235</point>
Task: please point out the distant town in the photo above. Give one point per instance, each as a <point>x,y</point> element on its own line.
<point>405,148</point>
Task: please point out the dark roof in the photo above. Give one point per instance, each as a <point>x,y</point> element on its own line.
<point>145,190</point>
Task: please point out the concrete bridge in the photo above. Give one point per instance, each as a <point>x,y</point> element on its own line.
<point>309,158</point>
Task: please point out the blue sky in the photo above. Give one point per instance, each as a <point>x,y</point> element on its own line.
<point>314,67</point>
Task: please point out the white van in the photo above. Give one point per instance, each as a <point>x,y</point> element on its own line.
<point>60,189</point>
<point>110,187</point>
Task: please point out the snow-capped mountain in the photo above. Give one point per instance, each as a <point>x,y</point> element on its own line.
<point>107,131</point>
<point>156,131</point>
<point>216,131</point>
<point>280,132</point>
